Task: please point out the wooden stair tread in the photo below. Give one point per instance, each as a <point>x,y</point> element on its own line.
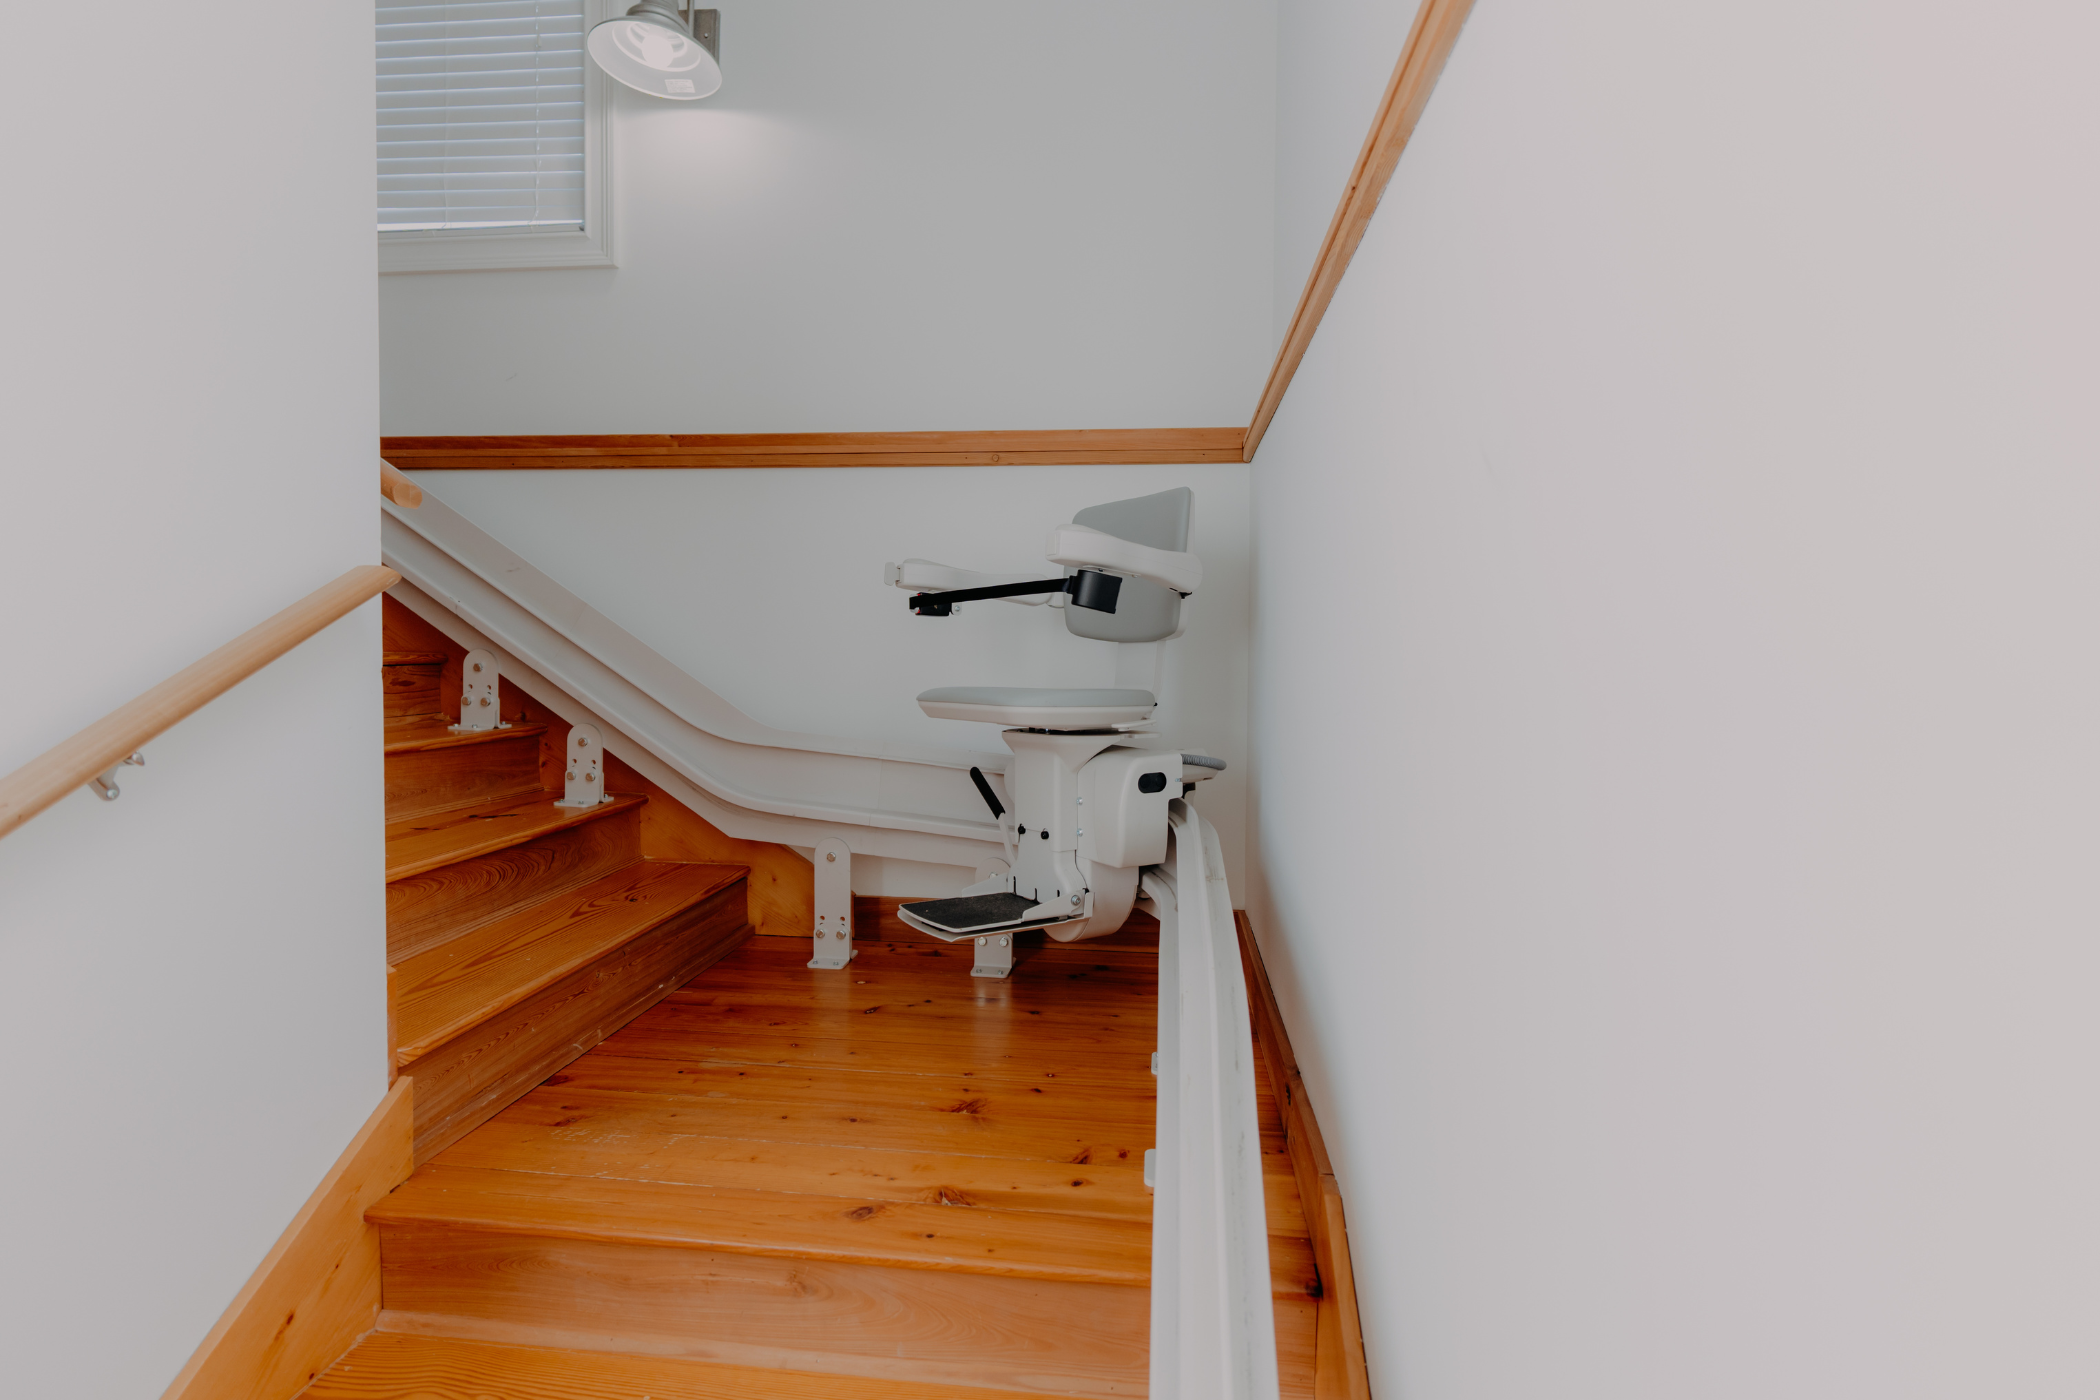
<point>424,843</point>
<point>417,733</point>
<point>891,1234</point>
<point>481,973</point>
<point>411,658</point>
<point>396,1366</point>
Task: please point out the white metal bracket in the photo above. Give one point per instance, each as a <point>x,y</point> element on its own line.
<point>583,780</point>
<point>479,706</point>
<point>995,955</point>
<point>832,941</point>
<point>105,783</point>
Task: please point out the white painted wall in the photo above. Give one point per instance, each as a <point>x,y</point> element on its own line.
<point>1677,710</point>
<point>766,586</point>
<point>1333,61</point>
<point>928,215</point>
<point>194,1020</point>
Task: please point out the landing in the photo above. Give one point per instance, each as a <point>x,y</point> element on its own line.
<point>900,1080</point>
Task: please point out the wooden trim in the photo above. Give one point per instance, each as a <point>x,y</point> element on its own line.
<point>1339,1369</point>
<point>1414,77</point>
<point>1074,447</point>
<point>396,487</point>
<point>94,750</point>
<point>317,1291</point>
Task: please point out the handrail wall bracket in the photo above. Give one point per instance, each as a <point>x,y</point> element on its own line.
<point>105,783</point>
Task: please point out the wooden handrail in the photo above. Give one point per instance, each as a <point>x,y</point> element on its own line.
<point>1414,77</point>
<point>102,745</point>
<point>396,487</point>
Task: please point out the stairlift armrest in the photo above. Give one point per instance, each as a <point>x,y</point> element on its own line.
<point>925,576</point>
<point>1081,547</point>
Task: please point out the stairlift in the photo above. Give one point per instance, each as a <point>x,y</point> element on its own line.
<point>1089,782</point>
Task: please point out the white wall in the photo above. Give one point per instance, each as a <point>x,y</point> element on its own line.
<point>1677,711</point>
<point>766,586</point>
<point>925,216</point>
<point>1333,61</point>
<point>930,215</point>
<point>194,1022</point>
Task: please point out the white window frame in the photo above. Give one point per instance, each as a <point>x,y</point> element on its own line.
<point>526,249</point>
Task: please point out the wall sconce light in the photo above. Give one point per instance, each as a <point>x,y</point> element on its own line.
<point>662,50</point>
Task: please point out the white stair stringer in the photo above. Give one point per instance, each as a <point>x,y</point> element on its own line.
<point>749,780</point>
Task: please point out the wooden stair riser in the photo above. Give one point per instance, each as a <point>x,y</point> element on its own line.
<point>459,775</point>
<point>1043,1336</point>
<point>410,689</point>
<point>423,911</point>
<point>468,1079</point>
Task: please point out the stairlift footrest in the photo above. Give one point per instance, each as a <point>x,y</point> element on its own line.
<point>967,915</point>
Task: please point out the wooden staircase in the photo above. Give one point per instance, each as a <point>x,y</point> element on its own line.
<point>659,1159</point>
<point>519,933</point>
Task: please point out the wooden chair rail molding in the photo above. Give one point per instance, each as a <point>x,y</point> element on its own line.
<point>1429,43</point>
<point>102,745</point>
<point>987,449</point>
<point>1421,63</point>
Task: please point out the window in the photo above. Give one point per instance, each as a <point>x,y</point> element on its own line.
<point>494,137</point>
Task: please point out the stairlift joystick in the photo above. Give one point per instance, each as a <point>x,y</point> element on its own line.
<point>1090,793</point>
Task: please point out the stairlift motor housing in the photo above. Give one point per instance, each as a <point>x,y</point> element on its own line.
<point>1090,796</point>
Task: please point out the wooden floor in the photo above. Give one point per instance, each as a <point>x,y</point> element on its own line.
<point>892,1180</point>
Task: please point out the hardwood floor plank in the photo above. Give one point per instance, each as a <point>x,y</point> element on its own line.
<point>636,1148</point>
<point>1050,1101</point>
<point>900,1235</point>
<point>425,843</point>
<point>970,1134</point>
<point>928,1018</point>
<point>395,1366</point>
<point>654,1037</point>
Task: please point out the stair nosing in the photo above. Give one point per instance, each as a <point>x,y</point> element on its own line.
<point>575,817</point>
<point>453,740</point>
<point>520,992</point>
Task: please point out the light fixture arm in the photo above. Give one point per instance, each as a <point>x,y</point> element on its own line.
<point>707,29</point>
<point>704,25</point>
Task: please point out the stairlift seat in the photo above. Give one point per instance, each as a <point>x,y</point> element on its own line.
<point>1023,707</point>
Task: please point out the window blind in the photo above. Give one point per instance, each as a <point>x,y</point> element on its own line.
<point>481,114</point>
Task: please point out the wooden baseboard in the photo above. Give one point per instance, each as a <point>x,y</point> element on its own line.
<point>317,1291</point>
<point>1339,1369</point>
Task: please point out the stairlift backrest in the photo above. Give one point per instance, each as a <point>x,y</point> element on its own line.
<point>1145,611</point>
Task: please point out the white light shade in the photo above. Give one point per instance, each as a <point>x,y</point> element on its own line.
<point>650,49</point>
